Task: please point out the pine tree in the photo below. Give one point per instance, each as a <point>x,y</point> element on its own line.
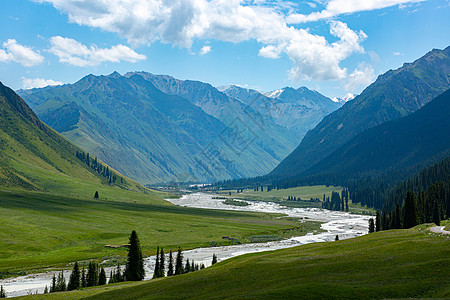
<point>336,238</point>
<point>83,278</point>
<point>74,279</point>
<point>46,290</point>
<point>170,269</point>
<point>118,277</point>
<point>436,215</point>
<point>53,287</point>
<point>135,265</point>
<point>92,274</point>
<point>377,221</point>
<point>156,271</point>
<point>111,277</point>
<point>214,259</point>
<point>409,211</point>
<point>2,292</point>
<point>187,267</point>
<point>179,263</point>
<point>102,277</point>
<point>371,226</point>
<point>96,195</point>
<point>161,270</point>
<point>60,283</point>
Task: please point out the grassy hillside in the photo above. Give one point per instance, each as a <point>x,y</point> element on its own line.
<point>397,144</point>
<point>394,94</point>
<point>33,156</point>
<point>389,264</point>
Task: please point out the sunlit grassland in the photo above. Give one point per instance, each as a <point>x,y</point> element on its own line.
<point>388,264</point>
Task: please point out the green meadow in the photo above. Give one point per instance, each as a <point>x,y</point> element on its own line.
<point>388,264</point>
<point>42,230</point>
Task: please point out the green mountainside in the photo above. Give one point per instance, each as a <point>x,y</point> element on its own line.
<point>35,157</point>
<point>393,95</point>
<point>397,144</point>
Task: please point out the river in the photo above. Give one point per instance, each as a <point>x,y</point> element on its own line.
<point>343,224</point>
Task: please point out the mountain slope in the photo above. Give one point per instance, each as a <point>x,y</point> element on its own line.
<point>149,135</point>
<point>34,156</point>
<point>277,141</point>
<point>298,110</point>
<point>393,95</point>
<point>394,145</point>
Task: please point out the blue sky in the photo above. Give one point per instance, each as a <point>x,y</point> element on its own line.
<point>334,46</point>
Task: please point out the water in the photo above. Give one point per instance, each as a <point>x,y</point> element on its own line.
<point>335,223</point>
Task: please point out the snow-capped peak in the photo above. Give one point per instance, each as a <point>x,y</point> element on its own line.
<point>274,94</point>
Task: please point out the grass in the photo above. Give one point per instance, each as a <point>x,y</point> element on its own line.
<point>303,192</point>
<point>43,230</point>
<point>387,264</point>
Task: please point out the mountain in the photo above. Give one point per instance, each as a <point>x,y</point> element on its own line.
<point>274,139</point>
<point>396,144</point>
<point>298,110</point>
<point>153,136</point>
<point>394,94</point>
<point>35,157</point>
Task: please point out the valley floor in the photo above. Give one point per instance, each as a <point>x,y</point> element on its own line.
<point>388,264</point>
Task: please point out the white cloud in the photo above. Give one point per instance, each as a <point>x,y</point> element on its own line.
<point>30,83</point>
<point>361,77</point>
<point>397,53</point>
<point>205,49</point>
<point>180,22</point>
<point>23,55</point>
<point>75,53</point>
<point>338,7</point>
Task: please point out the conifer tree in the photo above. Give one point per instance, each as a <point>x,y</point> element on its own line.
<point>46,290</point>
<point>2,292</point>
<point>187,267</point>
<point>135,265</point>
<point>92,274</point>
<point>53,286</point>
<point>371,226</point>
<point>83,278</point>
<point>118,277</point>
<point>96,195</point>
<point>102,277</point>
<point>156,271</point>
<point>111,277</point>
<point>409,211</point>
<point>170,269</point>
<point>161,270</point>
<point>74,279</point>
<point>179,263</point>
<point>214,259</point>
<point>377,221</point>
<point>60,283</point>
<point>336,238</point>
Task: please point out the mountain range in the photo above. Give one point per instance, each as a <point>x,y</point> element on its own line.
<point>393,95</point>
<point>155,128</point>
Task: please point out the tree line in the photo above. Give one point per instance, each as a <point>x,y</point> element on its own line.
<point>93,163</point>
<point>95,274</point>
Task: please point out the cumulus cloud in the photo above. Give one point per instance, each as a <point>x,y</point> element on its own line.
<point>361,77</point>
<point>339,7</point>
<point>205,49</point>
<point>180,22</point>
<point>30,83</point>
<point>23,55</point>
<point>75,53</point>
